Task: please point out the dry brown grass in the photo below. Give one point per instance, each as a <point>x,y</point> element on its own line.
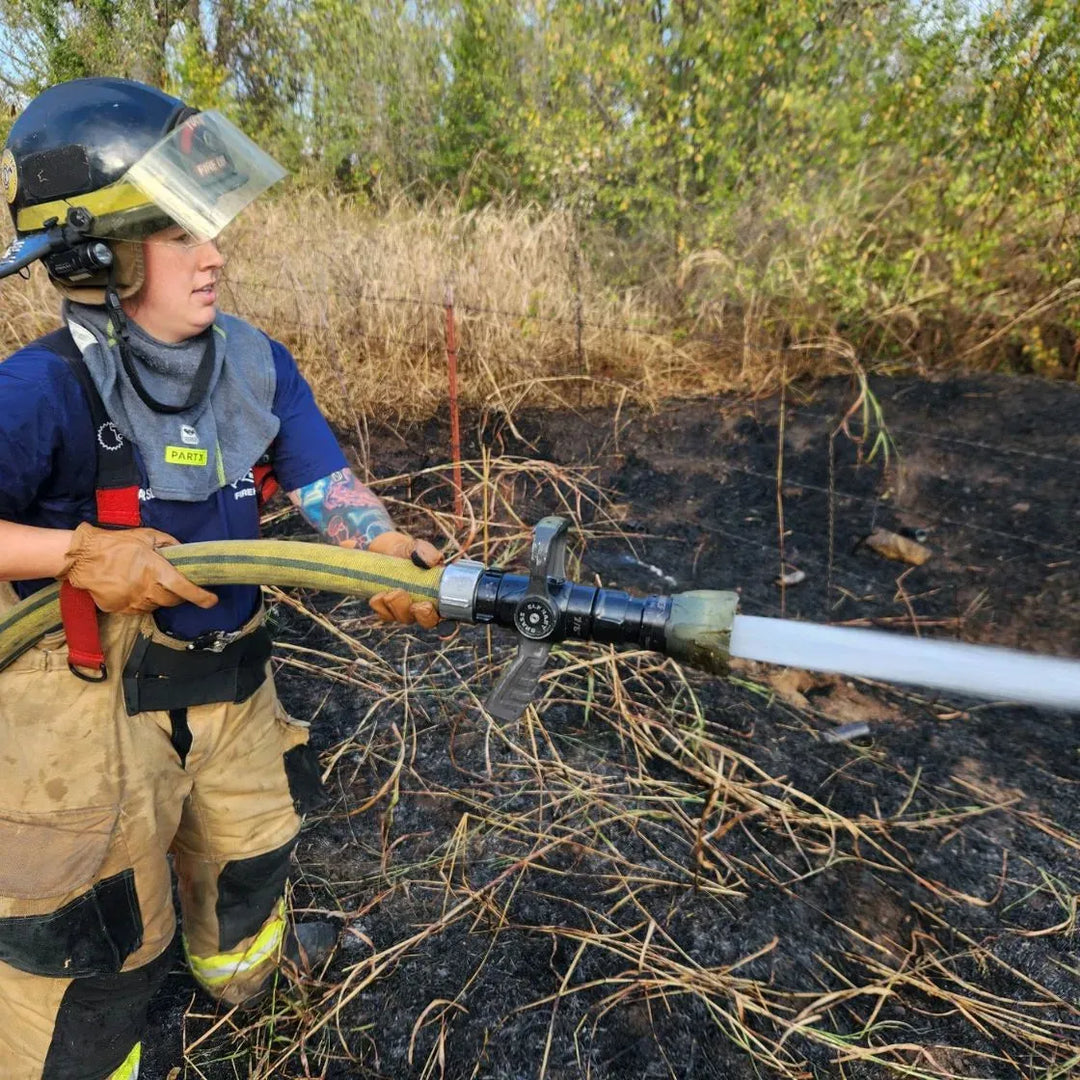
<point>547,316</point>
<point>365,312</point>
<point>358,297</point>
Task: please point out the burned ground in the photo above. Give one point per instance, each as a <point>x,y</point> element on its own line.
<point>660,874</point>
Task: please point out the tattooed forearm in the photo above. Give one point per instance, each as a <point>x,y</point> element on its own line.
<point>344,510</point>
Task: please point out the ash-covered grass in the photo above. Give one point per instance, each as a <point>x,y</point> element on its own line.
<point>655,873</point>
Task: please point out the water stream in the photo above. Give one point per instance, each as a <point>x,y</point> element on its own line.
<point>981,670</point>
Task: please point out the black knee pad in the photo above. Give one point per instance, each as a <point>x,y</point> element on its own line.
<point>92,935</point>
<point>248,889</point>
<point>101,1018</point>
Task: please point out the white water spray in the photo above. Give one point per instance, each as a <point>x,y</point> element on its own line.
<point>981,670</point>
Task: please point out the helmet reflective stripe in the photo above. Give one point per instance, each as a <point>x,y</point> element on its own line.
<point>130,1069</point>
<point>114,199</point>
<point>220,968</point>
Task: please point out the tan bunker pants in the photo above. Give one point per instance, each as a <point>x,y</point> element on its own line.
<point>91,803</point>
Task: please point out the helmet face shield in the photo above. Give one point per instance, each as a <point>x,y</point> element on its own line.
<point>200,176</point>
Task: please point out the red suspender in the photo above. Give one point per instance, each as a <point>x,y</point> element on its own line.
<point>266,484</point>
<point>116,498</point>
<point>118,507</point>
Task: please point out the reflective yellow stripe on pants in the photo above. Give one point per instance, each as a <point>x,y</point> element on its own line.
<point>219,969</point>
<point>130,1069</point>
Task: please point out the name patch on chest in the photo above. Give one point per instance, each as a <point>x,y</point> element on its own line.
<point>185,455</point>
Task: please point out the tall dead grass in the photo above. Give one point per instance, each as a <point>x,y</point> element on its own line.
<point>546,316</point>
<point>359,299</point>
<point>363,307</point>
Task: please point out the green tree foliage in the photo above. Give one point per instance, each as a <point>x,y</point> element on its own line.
<point>857,156</point>
<point>477,149</point>
<point>374,82</point>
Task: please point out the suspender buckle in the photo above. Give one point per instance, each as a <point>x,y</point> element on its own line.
<point>100,675</point>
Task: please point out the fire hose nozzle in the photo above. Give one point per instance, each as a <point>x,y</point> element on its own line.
<point>700,628</point>
<point>544,608</point>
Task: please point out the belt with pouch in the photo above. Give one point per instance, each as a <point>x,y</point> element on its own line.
<point>164,673</point>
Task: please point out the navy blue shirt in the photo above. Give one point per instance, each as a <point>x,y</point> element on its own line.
<point>48,467</point>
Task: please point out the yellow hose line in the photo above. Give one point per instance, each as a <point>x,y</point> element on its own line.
<point>244,562</point>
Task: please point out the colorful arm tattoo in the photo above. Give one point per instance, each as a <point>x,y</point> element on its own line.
<point>345,511</point>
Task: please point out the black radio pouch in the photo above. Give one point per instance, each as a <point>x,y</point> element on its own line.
<point>159,677</point>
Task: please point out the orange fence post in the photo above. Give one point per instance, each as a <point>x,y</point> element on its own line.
<point>455,419</point>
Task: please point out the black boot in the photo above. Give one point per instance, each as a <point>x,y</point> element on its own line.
<point>306,948</point>
<point>309,944</point>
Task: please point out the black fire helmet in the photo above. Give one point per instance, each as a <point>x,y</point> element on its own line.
<point>118,160</point>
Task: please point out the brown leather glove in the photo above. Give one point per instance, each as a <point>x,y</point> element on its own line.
<point>123,572</point>
<point>396,605</point>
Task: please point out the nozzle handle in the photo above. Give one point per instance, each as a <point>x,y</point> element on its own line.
<point>536,620</point>
<point>516,688</point>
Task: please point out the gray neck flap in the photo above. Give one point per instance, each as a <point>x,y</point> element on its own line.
<point>187,455</point>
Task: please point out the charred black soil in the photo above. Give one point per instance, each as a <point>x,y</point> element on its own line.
<point>661,874</point>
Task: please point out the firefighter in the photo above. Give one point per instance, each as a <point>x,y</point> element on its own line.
<point>149,727</point>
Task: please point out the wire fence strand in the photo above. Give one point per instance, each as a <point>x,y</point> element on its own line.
<point>432,341</point>
<point>983,447</point>
<point>363,297</point>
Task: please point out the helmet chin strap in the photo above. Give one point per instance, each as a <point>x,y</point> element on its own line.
<point>199,385</point>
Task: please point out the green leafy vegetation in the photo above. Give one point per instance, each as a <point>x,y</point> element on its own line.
<point>903,176</point>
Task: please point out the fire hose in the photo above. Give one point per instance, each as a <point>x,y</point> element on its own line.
<point>701,628</point>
